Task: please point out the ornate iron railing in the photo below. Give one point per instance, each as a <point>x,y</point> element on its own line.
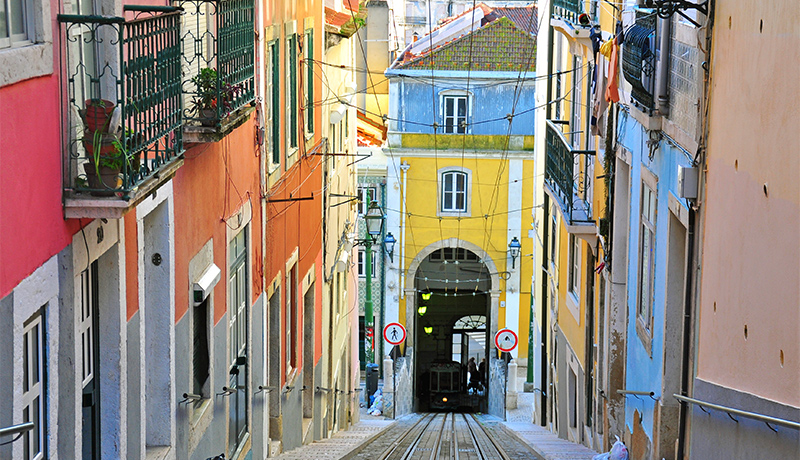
<point>568,9</point>
<point>558,166</point>
<point>123,98</point>
<point>639,58</point>
<point>566,176</point>
<point>218,58</point>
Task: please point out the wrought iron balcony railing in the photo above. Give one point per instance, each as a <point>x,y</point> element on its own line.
<point>123,101</point>
<point>568,9</point>
<point>639,59</point>
<point>565,176</point>
<point>218,59</point>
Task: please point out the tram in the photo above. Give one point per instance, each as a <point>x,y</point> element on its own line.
<point>446,380</point>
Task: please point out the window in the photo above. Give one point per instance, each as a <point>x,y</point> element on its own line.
<point>361,267</point>
<point>32,374</point>
<point>574,264</point>
<point>453,254</point>
<point>309,83</point>
<point>238,314</point>
<point>200,354</point>
<point>291,319</point>
<point>291,64</point>
<point>454,191</point>
<point>646,254</point>
<point>366,195</point>
<point>553,234</point>
<point>455,114</point>
<point>16,23</point>
<point>573,399</point>
<point>577,101</point>
<point>274,102</point>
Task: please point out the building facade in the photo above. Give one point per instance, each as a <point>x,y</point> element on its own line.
<point>459,154</point>
<point>173,293</point>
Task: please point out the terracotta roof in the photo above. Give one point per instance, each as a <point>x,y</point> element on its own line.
<point>497,46</point>
<point>335,18</point>
<point>525,17</point>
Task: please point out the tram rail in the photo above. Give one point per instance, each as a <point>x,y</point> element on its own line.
<point>446,436</point>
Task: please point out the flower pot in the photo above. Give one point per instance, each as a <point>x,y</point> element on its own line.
<point>97,115</point>
<point>208,117</point>
<point>105,183</point>
<point>97,139</point>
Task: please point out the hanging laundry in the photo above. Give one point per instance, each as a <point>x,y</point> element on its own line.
<point>599,103</point>
<point>605,48</point>
<point>612,90</point>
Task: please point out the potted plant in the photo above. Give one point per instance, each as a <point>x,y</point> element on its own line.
<point>207,96</point>
<point>107,158</point>
<point>97,114</point>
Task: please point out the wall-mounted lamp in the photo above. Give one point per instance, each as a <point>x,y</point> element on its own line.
<point>513,250</point>
<point>388,243</point>
<point>422,310</point>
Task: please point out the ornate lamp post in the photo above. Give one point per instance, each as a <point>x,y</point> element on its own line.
<point>374,220</point>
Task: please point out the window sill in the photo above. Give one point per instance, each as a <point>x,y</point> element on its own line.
<point>25,62</point>
<point>573,305</point>
<point>454,214</point>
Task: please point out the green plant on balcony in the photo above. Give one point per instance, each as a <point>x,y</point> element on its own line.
<point>211,100</point>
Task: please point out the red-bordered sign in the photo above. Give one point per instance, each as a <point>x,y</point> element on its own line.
<point>506,340</point>
<point>394,333</point>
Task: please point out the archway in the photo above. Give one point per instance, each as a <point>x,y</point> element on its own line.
<point>448,281</point>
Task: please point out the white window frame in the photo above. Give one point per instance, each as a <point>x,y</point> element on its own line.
<point>27,36</point>
<point>574,266</point>
<point>648,207</point>
<point>32,397</point>
<point>28,55</point>
<point>454,210</point>
<point>455,95</point>
<point>361,267</point>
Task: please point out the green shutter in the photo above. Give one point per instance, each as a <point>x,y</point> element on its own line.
<point>310,81</point>
<point>275,109</point>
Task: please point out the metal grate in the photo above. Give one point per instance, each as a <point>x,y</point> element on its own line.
<point>568,9</point>
<point>218,51</point>
<point>123,98</point>
<point>638,58</point>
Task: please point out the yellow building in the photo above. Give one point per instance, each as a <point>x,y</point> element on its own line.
<point>460,202</point>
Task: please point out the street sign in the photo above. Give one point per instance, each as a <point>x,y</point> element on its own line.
<point>506,340</point>
<point>394,333</point>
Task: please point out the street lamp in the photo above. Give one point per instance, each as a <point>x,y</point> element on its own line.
<point>388,243</point>
<point>513,249</point>
<point>374,221</point>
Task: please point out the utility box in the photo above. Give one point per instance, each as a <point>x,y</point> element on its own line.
<point>372,381</point>
<point>687,182</point>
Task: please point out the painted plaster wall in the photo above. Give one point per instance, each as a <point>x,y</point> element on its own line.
<point>32,228</point>
<point>752,234</point>
<point>488,196</point>
<point>643,368</point>
<point>417,105</point>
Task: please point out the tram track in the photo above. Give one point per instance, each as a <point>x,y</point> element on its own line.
<point>446,436</point>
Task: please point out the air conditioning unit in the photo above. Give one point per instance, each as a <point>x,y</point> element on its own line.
<point>688,179</point>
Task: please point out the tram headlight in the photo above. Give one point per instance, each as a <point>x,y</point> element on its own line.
<point>444,399</point>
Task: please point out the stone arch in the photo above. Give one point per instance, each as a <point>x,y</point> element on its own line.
<point>410,290</point>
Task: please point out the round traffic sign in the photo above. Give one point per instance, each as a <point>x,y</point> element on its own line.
<point>394,333</point>
<point>506,340</point>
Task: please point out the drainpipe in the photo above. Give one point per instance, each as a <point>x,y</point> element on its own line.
<point>662,69</point>
<point>404,168</point>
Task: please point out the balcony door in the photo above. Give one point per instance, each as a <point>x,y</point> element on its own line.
<point>90,383</point>
<point>237,328</point>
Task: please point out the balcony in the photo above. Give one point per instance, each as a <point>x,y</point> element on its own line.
<point>568,10</point>
<point>218,64</point>
<point>639,60</point>
<point>566,180</point>
<point>122,108</point>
